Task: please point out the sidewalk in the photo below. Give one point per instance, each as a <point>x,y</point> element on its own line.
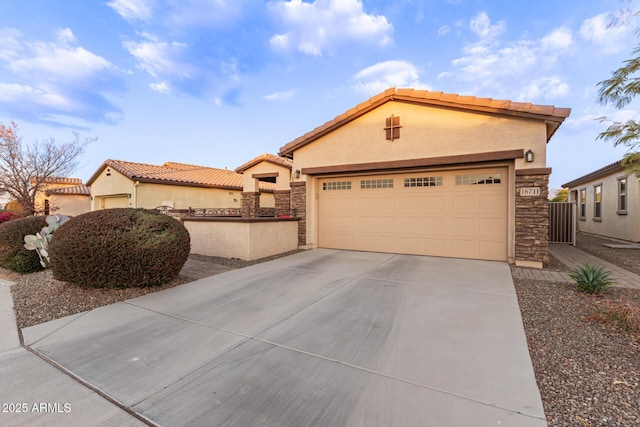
<point>573,257</point>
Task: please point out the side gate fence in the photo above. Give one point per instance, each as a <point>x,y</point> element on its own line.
<point>562,222</point>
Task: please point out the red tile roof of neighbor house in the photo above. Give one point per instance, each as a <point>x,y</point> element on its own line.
<point>606,170</point>
<point>178,174</point>
<point>551,115</point>
<point>265,157</point>
<point>61,180</point>
<point>77,190</point>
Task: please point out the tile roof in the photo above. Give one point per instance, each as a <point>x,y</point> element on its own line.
<point>551,115</point>
<point>61,180</point>
<point>265,157</point>
<point>79,190</point>
<point>603,171</point>
<point>178,174</point>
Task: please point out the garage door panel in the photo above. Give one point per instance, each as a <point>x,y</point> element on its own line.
<point>454,213</point>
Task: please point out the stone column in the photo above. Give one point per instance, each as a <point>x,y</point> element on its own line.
<point>299,203</point>
<point>250,202</point>
<point>282,202</point>
<point>532,217</point>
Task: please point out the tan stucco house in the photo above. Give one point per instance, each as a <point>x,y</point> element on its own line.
<point>608,202</point>
<point>118,184</point>
<point>42,199</point>
<point>420,172</point>
<point>70,201</point>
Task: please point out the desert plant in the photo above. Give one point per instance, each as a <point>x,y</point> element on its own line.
<point>39,242</point>
<point>624,314</point>
<point>119,248</point>
<point>591,279</point>
<point>13,254</point>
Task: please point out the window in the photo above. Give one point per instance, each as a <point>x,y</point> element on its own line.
<point>376,183</point>
<point>423,181</point>
<point>336,185</point>
<point>392,128</point>
<point>597,202</point>
<point>622,196</point>
<point>478,179</point>
<point>583,204</point>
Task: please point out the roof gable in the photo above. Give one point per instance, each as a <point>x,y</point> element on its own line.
<point>268,158</point>
<point>551,115</point>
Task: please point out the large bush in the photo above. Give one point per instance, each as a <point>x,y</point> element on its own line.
<point>119,248</point>
<point>13,254</point>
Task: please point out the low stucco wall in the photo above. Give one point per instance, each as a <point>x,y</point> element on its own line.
<point>246,239</point>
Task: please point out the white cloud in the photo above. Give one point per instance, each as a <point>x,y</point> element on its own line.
<point>159,58</point>
<point>10,46</point>
<point>318,27</point>
<point>204,13</point>
<point>25,94</point>
<point>515,69</point>
<point>383,75</point>
<point>601,119</point>
<point>281,96</point>
<point>161,87</point>
<point>60,61</point>
<point>133,10</point>
<point>481,25</point>
<point>599,31</point>
<point>445,29</point>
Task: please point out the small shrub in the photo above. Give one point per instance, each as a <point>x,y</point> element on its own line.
<point>13,254</point>
<point>116,248</point>
<point>6,216</point>
<point>625,315</point>
<point>591,279</point>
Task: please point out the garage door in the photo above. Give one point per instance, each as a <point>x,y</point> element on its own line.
<point>459,214</point>
<point>115,202</point>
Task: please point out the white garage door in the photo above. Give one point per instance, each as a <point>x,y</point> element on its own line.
<point>459,214</point>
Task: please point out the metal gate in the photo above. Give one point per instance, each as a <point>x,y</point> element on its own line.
<point>562,222</point>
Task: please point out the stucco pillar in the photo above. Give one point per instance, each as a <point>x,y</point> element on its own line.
<point>532,217</point>
<point>250,202</point>
<point>299,203</point>
<point>282,202</point>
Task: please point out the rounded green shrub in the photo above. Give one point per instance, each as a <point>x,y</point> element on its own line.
<point>116,248</point>
<point>13,254</point>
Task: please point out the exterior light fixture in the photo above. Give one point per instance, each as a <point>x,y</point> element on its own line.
<point>528,156</point>
<point>296,174</point>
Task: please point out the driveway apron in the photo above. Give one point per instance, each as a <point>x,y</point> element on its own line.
<point>323,337</point>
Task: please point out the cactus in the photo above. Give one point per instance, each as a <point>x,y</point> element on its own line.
<point>39,242</point>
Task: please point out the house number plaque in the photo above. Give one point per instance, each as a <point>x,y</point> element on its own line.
<point>530,191</point>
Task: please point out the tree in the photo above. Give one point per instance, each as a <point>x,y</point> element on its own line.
<point>26,168</point>
<point>620,90</point>
<point>562,195</point>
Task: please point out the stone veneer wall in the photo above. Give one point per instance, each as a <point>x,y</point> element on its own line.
<point>250,201</point>
<point>282,201</point>
<point>299,203</point>
<point>532,218</point>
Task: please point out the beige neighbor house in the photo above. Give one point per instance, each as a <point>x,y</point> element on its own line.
<point>419,172</point>
<point>119,184</point>
<point>70,201</point>
<point>608,202</point>
<point>47,201</point>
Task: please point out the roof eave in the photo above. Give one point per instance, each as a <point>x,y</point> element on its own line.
<point>604,171</point>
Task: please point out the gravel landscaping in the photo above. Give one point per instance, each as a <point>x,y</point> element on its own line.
<point>588,371</point>
<point>629,259</point>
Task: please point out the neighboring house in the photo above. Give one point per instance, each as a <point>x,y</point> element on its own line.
<point>43,200</point>
<point>608,202</point>
<point>118,184</point>
<point>267,168</point>
<point>419,172</point>
<point>70,201</point>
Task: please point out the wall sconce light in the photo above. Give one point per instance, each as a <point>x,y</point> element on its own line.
<point>296,174</point>
<point>129,195</point>
<point>528,156</point>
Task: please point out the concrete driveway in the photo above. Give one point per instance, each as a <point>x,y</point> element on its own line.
<point>323,337</point>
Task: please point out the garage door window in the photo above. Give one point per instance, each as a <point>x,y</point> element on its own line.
<point>479,179</point>
<point>376,183</point>
<point>423,181</point>
<point>336,185</point>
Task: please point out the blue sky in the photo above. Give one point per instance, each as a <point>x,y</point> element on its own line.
<point>218,82</point>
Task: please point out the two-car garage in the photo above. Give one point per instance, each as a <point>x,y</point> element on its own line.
<point>451,213</point>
